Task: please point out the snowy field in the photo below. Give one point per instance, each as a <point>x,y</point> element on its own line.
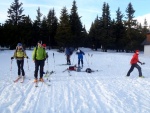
<point>106,91</point>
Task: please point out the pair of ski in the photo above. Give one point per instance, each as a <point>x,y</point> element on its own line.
<point>22,80</point>
<point>36,83</point>
<point>47,74</point>
<point>68,71</point>
<point>64,64</point>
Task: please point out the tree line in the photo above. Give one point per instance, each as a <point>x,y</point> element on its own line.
<point>118,34</point>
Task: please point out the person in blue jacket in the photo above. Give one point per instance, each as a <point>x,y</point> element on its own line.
<point>80,57</point>
<point>68,53</point>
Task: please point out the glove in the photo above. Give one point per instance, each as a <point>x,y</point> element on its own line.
<point>143,63</point>
<point>12,58</point>
<point>27,57</point>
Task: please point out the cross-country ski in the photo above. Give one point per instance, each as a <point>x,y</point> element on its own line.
<point>17,79</point>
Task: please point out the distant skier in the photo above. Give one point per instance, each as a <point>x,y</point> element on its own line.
<point>134,64</point>
<point>68,53</point>
<point>80,57</point>
<point>38,56</point>
<point>19,55</point>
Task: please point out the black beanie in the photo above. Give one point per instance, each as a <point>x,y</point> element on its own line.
<point>40,41</point>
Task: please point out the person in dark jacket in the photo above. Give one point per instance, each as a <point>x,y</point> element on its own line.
<point>19,55</point>
<point>68,54</point>
<point>134,64</point>
<point>80,57</point>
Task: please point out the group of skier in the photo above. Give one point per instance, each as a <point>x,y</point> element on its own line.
<point>68,53</point>
<point>39,56</point>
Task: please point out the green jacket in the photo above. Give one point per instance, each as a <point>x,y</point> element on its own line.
<point>39,53</point>
<point>20,54</point>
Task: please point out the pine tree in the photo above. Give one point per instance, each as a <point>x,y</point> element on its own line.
<point>25,31</point>
<point>15,13</point>
<point>130,28</point>
<point>52,23</point>
<point>63,36</point>
<point>37,27</point>
<point>94,33</point>
<point>106,24</point>
<point>44,31</point>
<point>119,31</point>
<point>76,25</point>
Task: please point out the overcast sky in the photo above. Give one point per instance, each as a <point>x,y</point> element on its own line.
<point>88,9</point>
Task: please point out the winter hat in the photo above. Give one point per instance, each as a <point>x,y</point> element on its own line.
<point>136,50</point>
<point>40,41</point>
<point>44,45</point>
<point>19,44</point>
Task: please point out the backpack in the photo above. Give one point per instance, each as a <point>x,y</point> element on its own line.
<point>23,50</point>
<point>46,55</point>
<point>72,68</point>
<point>88,70</point>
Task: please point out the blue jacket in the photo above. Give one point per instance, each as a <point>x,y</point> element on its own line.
<point>80,54</point>
<point>67,51</point>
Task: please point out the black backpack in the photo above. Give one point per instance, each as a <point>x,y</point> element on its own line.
<point>88,70</point>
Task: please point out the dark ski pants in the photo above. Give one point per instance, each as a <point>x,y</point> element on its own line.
<point>135,66</point>
<point>39,63</point>
<point>68,59</point>
<point>80,60</point>
<point>20,64</point>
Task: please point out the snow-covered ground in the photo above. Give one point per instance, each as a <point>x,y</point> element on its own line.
<point>105,91</point>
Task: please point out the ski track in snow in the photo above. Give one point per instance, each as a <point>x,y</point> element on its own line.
<point>105,91</point>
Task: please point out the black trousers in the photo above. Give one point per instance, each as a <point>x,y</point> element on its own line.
<point>80,60</point>
<point>20,64</point>
<point>132,68</point>
<point>39,63</point>
<point>68,59</point>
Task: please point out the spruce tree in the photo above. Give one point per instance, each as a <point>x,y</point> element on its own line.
<point>76,25</point>
<point>106,24</point>
<point>44,31</point>
<point>15,13</point>
<point>95,34</point>
<point>52,23</point>
<point>63,35</point>
<point>119,31</point>
<point>37,27</point>
<point>130,24</point>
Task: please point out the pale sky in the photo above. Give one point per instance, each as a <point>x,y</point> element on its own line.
<point>88,9</point>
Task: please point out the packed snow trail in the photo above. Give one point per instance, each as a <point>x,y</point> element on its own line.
<point>105,91</point>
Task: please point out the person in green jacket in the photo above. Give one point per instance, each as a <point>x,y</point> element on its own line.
<point>19,55</point>
<point>38,56</point>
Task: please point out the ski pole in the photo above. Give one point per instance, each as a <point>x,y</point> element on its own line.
<point>47,64</point>
<point>87,61</point>
<point>73,59</point>
<point>47,72</point>
<point>28,64</point>
<point>11,69</point>
<point>11,65</point>
<point>91,58</point>
<point>54,61</point>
